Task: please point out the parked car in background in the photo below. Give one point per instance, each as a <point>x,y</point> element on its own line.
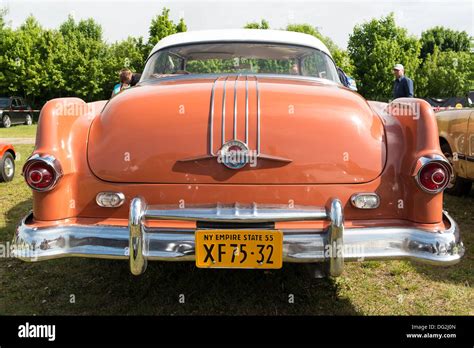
<point>456,138</point>
<point>14,110</point>
<point>7,162</point>
<point>239,149</point>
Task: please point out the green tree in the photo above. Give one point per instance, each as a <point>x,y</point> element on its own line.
<point>27,64</point>
<point>447,64</point>
<point>181,27</point>
<point>82,58</point>
<point>375,47</point>
<point>11,66</point>
<point>256,25</point>
<point>162,25</point>
<point>445,39</point>
<point>446,74</point>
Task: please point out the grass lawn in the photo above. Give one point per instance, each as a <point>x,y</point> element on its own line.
<point>107,287</point>
<point>20,131</point>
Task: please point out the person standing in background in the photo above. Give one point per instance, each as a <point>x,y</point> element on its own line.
<point>402,86</point>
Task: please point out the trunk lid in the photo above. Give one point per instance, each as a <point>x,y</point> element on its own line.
<point>304,132</point>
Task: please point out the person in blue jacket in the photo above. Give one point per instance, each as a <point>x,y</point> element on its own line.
<point>402,86</point>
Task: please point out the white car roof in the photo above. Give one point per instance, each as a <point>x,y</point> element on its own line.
<point>241,35</point>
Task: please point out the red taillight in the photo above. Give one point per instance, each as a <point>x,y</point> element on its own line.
<point>434,176</point>
<point>41,173</point>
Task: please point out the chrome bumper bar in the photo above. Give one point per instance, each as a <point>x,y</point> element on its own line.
<point>333,245</point>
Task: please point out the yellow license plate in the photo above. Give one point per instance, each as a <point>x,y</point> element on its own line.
<point>239,249</point>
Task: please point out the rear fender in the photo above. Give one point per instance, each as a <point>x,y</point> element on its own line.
<point>62,132</point>
<point>412,132</point>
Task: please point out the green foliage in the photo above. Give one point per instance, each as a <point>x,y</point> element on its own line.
<point>162,26</point>
<point>255,25</point>
<point>445,39</point>
<point>375,47</point>
<point>28,65</point>
<point>73,60</point>
<point>181,27</point>
<point>83,58</point>
<point>447,69</point>
<point>446,74</point>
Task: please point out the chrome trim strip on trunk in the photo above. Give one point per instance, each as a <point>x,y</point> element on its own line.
<point>246,110</point>
<point>258,115</point>
<point>235,107</point>
<point>211,119</point>
<point>223,110</point>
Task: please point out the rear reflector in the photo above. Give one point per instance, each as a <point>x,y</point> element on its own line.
<point>110,199</point>
<point>365,200</point>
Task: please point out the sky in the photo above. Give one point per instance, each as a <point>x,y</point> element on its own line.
<point>336,19</point>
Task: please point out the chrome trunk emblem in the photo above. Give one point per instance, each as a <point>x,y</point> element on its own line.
<point>234,154</point>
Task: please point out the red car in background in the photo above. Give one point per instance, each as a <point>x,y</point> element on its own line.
<point>7,162</point>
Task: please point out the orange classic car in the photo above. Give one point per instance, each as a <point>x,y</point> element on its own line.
<point>238,149</point>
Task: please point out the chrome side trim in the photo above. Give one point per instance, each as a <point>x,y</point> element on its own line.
<point>236,213</point>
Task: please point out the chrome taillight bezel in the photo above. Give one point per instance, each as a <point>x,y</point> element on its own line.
<point>435,158</point>
<point>50,161</point>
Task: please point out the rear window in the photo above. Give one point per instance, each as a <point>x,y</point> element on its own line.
<point>240,58</point>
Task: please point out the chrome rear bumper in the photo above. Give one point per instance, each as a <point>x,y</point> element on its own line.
<point>334,245</point>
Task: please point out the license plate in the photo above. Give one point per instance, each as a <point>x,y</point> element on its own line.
<point>239,249</point>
